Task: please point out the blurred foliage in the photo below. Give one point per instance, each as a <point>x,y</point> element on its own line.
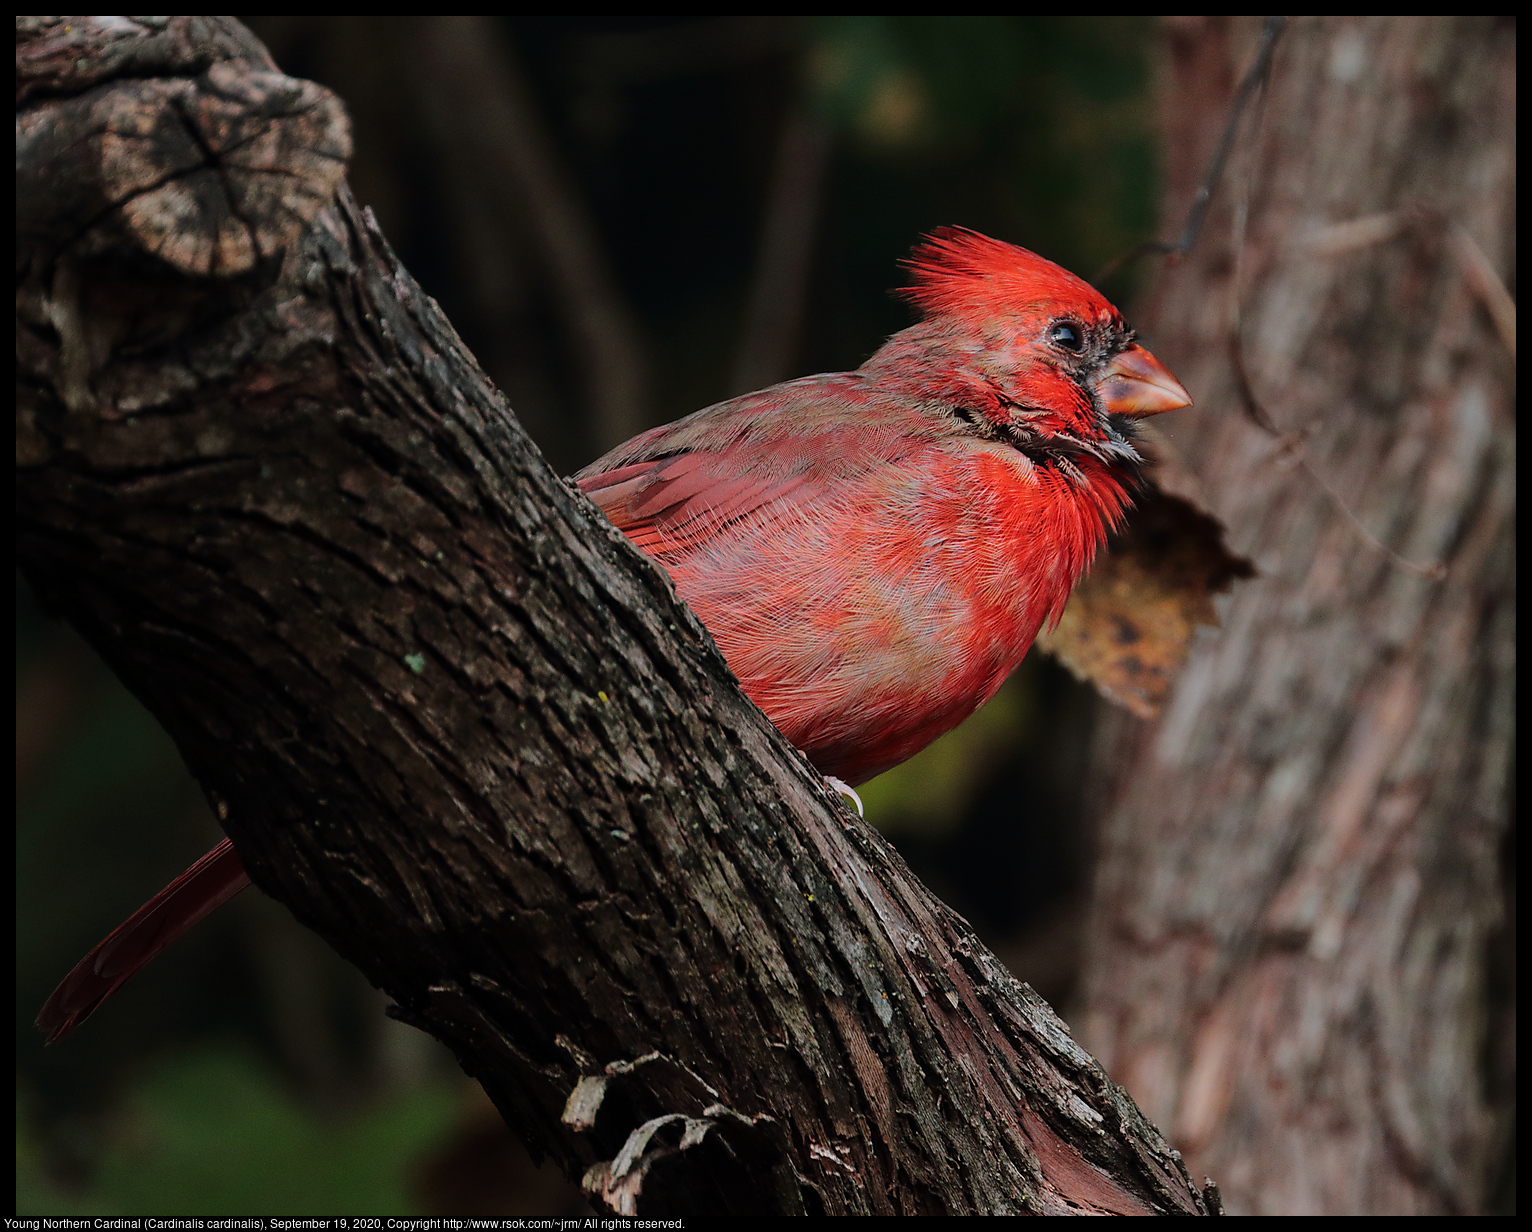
<point>931,793</point>
<point>252,1149</point>
<point>36,1192</point>
<point>1036,130</point>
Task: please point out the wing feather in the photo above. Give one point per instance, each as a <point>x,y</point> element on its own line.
<point>673,489</point>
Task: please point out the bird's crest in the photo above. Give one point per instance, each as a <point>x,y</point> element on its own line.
<point>961,273</point>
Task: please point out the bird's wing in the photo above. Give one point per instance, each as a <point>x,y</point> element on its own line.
<point>675,504</point>
<point>782,449</point>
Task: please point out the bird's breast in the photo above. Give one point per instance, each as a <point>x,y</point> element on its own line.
<point>878,614</point>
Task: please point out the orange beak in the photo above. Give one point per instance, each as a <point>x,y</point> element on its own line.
<point>1135,383</point>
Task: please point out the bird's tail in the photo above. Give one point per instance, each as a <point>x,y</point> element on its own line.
<point>201,889</point>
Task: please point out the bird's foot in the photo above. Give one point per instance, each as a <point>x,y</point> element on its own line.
<point>845,790</point>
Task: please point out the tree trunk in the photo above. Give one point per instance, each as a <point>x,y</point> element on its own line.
<point>1297,947</point>
<point>451,718</point>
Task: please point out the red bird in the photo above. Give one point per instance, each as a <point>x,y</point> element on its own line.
<point>874,551</point>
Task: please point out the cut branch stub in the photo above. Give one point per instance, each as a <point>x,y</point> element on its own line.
<point>210,174</point>
<point>69,55</point>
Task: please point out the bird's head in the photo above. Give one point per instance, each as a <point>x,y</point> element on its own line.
<point>1021,350</point>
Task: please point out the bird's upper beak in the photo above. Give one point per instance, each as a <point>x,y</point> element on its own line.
<point>1135,383</point>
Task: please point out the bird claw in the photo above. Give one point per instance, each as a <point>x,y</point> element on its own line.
<point>846,790</point>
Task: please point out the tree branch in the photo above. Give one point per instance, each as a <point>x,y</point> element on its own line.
<point>452,719</point>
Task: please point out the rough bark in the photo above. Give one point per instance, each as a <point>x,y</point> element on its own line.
<point>451,718</point>
<point>1300,885</point>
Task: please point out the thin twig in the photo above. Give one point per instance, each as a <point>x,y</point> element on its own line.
<point>1237,291</point>
<point>1485,283</point>
<point>1296,443</point>
<point>1255,76</point>
<point>1432,573</point>
<point>1343,237</point>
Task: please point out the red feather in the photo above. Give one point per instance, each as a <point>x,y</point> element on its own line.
<point>961,273</point>
<point>201,889</point>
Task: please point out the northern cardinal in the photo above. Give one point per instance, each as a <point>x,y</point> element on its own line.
<point>873,551</point>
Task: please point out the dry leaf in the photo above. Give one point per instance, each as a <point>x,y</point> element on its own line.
<point>1129,624</point>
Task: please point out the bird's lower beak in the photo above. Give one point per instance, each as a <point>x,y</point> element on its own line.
<point>1135,383</point>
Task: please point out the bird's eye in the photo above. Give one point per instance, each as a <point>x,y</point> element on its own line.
<point>1066,334</point>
